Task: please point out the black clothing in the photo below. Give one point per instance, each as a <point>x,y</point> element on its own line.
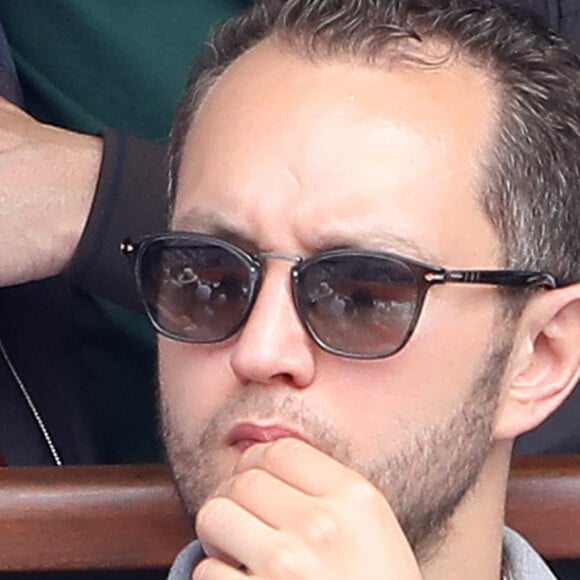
<point>43,406</point>
<point>37,335</point>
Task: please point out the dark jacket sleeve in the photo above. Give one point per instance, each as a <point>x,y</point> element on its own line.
<point>130,201</point>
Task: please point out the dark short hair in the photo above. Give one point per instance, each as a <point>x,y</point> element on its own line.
<point>531,189</point>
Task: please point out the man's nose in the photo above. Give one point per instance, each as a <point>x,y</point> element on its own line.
<point>273,346</point>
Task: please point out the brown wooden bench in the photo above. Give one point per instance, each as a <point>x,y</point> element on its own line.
<point>129,517</point>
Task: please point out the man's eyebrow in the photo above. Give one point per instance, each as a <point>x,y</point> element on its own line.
<point>215,224</point>
<point>375,239</point>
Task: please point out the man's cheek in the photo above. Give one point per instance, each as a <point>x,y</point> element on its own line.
<point>183,389</point>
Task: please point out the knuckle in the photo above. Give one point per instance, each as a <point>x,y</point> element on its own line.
<point>320,527</point>
<point>361,493</point>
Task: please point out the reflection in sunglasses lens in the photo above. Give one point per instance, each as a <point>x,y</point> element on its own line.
<point>198,293</point>
<point>359,304</point>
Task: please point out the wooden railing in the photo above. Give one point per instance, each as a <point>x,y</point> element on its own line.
<point>129,517</point>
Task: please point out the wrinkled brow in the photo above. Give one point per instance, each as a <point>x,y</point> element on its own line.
<point>215,223</point>
<point>219,224</point>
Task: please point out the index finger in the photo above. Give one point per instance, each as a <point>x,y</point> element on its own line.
<point>297,463</point>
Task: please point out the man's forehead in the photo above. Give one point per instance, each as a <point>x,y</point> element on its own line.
<point>344,132</point>
<point>270,68</point>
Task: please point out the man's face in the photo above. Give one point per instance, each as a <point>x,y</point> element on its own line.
<point>295,157</point>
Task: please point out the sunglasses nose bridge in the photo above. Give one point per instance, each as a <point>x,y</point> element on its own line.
<point>293,258</point>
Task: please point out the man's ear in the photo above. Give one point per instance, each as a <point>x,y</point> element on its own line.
<point>545,363</point>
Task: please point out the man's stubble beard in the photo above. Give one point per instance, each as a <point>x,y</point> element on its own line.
<point>424,482</point>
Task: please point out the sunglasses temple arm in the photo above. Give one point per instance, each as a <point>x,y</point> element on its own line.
<point>512,278</point>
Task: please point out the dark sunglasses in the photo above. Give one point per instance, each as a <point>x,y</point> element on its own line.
<point>354,303</point>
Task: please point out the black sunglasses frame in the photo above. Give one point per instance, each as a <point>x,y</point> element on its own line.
<point>426,275</point>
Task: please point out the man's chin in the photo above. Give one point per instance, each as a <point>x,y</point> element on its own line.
<point>198,475</point>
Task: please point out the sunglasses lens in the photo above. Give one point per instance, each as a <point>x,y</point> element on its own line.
<point>358,305</point>
<point>198,292</point>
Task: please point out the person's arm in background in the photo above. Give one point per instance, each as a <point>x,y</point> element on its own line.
<point>47,179</point>
<point>67,199</point>
<point>84,69</point>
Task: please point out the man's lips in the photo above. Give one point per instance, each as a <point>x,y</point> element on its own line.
<point>244,435</point>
